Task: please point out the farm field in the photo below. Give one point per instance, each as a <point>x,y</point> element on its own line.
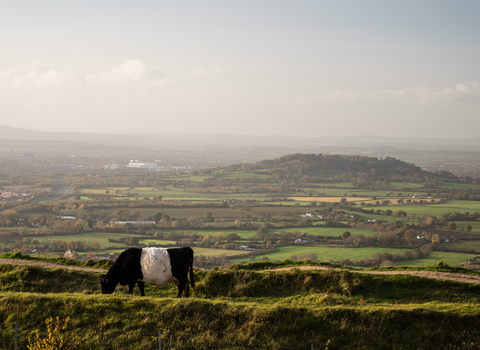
<point>194,212</point>
<point>289,203</point>
<point>100,237</point>
<point>453,185</point>
<point>327,199</point>
<point>212,233</point>
<point>434,209</point>
<point>324,231</point>
<point>337,192</point>
<point>467,245</point>
<point>283,210</point>
<point>215,252</point>
<point>452,259</point>
<point>475,225</point>
<point>241,175</point>
<point>323,253</point>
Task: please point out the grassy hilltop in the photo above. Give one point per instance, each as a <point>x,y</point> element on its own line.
<point>253,304</point>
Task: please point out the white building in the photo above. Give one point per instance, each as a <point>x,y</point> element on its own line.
<point>142,165</point>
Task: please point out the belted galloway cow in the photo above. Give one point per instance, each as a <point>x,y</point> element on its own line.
<point>158,266</point>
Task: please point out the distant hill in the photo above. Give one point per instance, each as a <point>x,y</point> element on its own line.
<point>355,166</point>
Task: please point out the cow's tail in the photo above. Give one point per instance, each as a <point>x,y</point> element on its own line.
<point>192,278</point>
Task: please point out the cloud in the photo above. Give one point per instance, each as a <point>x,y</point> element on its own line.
<point>423,96</point>
<point>132,70</point>
<point>419,96</point>
<point>31,79</point>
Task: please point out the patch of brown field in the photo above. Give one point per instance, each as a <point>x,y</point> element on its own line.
<point>28,187</point>
<point>18,187</point>
<point>328,199</point>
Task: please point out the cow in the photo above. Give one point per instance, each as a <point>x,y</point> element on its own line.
<point>158,266</point>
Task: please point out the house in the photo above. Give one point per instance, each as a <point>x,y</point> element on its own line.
<point>133,222</point>
<point>70,254</point>
<point>244,247</point>
<point>103,256</point>
<point>300,240</point>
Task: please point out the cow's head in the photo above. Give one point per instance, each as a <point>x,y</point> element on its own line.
<point>108,286</point>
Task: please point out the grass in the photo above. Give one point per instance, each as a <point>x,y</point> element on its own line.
<point>453,259</point>
<point>213,233</point>
<point>215,252</point>
<point>475,225</point>
<point>100,237</point>
<point>285,210</point>
<point>193,212</point>
<point>253,308</point>
<point>324,253</point>
<point>433,209</point>
<point>241,175</point>
<point>467,245</point>
<point>327,199</point>
<point>325,231</point>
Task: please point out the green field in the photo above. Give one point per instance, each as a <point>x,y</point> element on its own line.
<point>100,237</point>
<point>324,253</point>
<point>194,212</point>
<point>452,259</point>
<point>475,225</point>
<point>460,186</point>
<point>434,209</point>
<point>215,252</point>
<point>324,231</point>
<point>241,175</point>
<point>212,233</point>
<point>284,210</point>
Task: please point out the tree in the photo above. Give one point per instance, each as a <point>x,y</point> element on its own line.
<point>208,216</point>
<point>452,226</point>
<point>429,221</point>
<point>467,228</point>
<point>157,216</point>
<point>133,241</point>
<point>345,235</point>
<point>90,223</point>
<point>11,214</point>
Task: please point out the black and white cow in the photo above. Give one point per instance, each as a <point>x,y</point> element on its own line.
<point>158,266</point>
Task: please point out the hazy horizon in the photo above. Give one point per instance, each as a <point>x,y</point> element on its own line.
<point>306,68</point>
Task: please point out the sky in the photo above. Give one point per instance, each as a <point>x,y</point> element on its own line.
<point>264,67</point>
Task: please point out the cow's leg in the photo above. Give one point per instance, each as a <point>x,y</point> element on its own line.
<point>187,289</point>
<point>130,287</point>
<point>141,286</point>
<point>181,287</point>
